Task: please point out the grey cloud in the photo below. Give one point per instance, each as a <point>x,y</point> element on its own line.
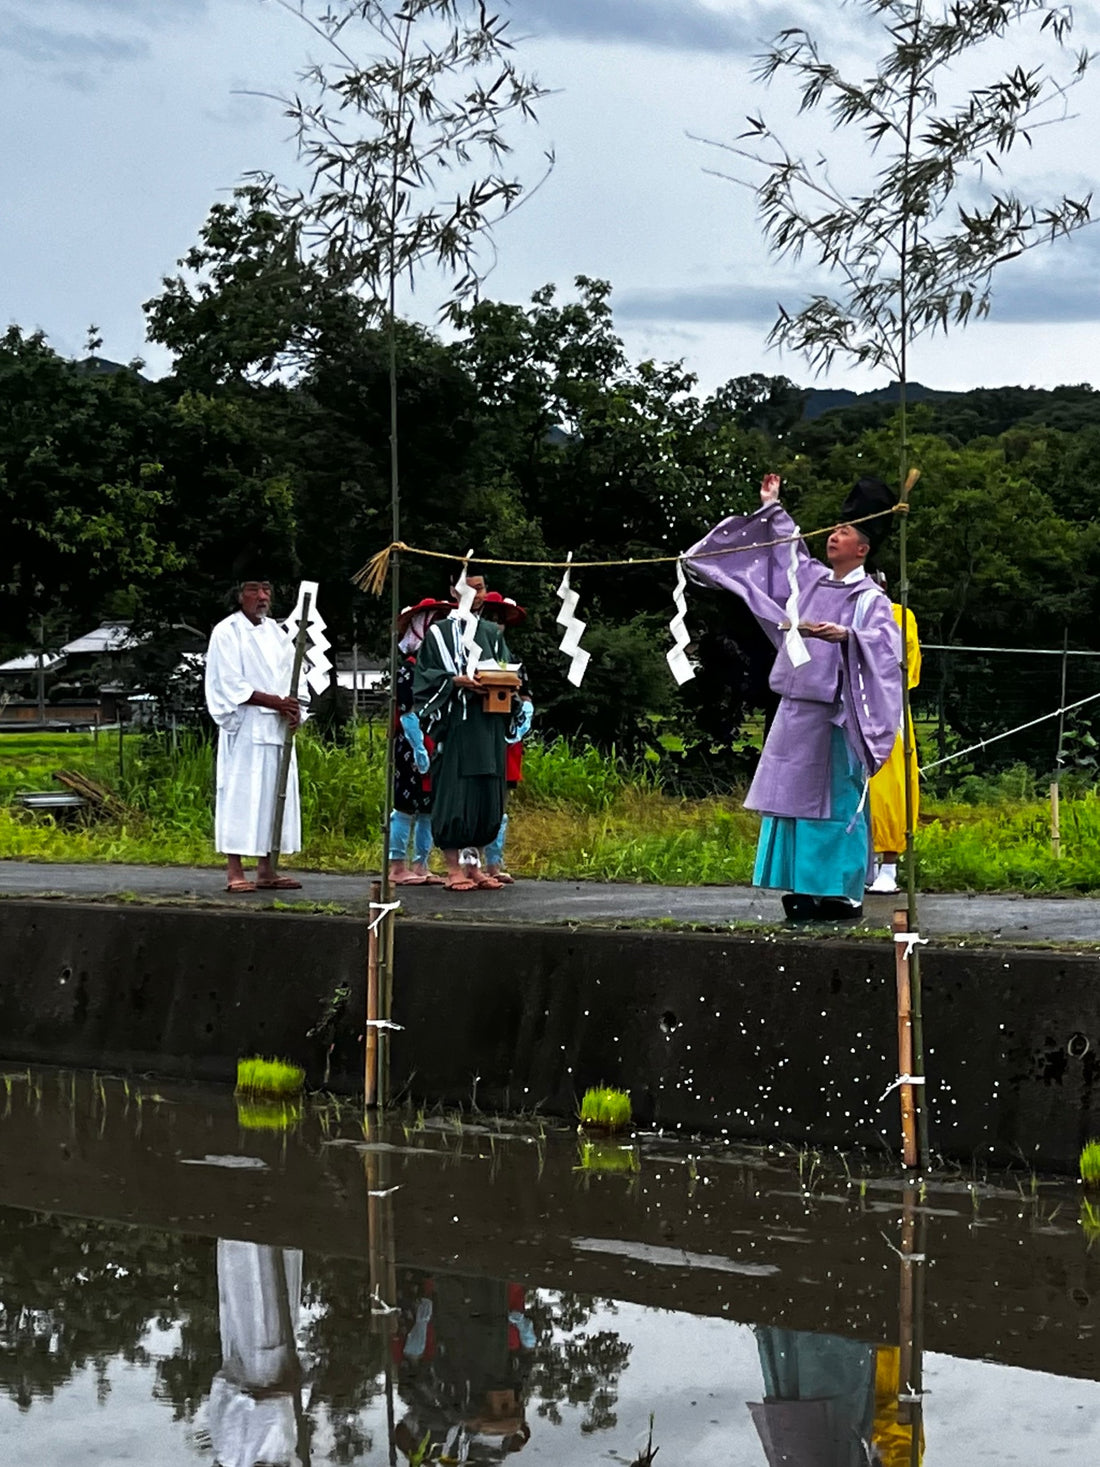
<point>1046,300</point>
<point>683,25</point>
<point>37,43</point>
<point>147,12</point>
<point>1024,298</point>
<point>751,305</point>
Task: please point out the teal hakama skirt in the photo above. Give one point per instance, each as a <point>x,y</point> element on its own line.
<point>821,858</point>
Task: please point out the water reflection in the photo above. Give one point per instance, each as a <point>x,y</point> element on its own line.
<point>830,1402</point>
<point>419,1297</point>
<point>464,1350</point>
<point>254,1413</point>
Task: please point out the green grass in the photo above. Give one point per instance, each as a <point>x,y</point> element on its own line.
<point>1090,1164</point>
<point>607,1109</point>
<point>579,814</point>
<point>273,1078</point>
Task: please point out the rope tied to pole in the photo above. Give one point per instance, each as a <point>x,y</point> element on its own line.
<point>371,577</point>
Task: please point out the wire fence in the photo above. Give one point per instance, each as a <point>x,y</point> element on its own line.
<point>1009,702</point>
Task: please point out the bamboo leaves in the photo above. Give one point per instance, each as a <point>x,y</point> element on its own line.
<point>390,140</point>
<point>916,251</point>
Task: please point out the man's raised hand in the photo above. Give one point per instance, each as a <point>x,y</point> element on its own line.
<point>769,489</point>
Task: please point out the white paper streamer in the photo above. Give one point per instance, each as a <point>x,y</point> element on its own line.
<point>469,621</point>
<point>316,666</point>
<point>574,629</point>
<point>797,650</point>
<point>676,656</point>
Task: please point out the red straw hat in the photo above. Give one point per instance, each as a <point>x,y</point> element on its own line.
<point>503,609</point>
<point>429,603</point>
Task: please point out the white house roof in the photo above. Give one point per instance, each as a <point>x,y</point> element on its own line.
<point>29,662</point>
<point>112,636</point>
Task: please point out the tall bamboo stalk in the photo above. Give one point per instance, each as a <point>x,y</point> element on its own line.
<point>916,991</point>
<point>387,930</point>
<point>370,1065</point>
<point>907,478</point>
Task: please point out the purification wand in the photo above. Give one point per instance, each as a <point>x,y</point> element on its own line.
<point>311,650</point>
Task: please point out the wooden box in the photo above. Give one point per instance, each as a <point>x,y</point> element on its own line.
<point>497,685</point>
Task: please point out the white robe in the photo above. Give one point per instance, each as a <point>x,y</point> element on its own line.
<point>243,659</point>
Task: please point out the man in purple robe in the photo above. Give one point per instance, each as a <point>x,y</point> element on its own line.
<point>837,673</point>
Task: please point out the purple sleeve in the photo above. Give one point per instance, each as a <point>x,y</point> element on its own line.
<point>736,557</point>
<point>872,684</point>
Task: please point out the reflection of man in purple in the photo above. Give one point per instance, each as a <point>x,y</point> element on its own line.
<point>252,1414</point>
<point>463,1363</point>
<point>819,1403</point>
<point>837,673</point>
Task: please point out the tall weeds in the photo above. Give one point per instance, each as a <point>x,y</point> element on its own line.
<point>579,813</point>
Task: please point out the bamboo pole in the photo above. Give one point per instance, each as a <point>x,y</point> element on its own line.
<point>288,742</point>
<point>909,1149</point>
<point>1055,788</point>
<point>914,987</point>
<point>370,1074</point>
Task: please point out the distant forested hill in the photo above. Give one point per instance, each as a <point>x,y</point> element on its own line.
<point>834,415</point>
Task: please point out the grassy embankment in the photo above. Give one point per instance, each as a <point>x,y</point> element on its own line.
<point>577,814</point>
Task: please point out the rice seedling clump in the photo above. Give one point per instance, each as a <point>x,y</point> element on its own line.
<point>271,1077</point>
<point>608,1110</point>
<point>1090,1163</point>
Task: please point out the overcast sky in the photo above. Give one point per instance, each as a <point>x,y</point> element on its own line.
<point>125,120</point>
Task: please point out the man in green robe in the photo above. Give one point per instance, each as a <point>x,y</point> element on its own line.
<point>468,780</point>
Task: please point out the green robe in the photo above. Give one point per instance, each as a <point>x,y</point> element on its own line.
<point>468,788</point>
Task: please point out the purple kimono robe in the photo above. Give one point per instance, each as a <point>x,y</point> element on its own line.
<point>853,685</point>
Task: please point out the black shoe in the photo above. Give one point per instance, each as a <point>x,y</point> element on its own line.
<point>800,908</point>
<point>836,909</point>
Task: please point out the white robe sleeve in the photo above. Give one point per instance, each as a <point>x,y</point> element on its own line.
<point>227,687</point>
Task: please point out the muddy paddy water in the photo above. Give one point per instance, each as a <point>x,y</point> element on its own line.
<point>183,1281</point>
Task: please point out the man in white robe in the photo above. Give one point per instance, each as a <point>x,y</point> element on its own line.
<point>249,664</point>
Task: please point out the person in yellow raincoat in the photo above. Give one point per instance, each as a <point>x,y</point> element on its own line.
<point>887,788</point>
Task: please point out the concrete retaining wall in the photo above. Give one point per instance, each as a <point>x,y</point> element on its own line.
<point>761,1038</point>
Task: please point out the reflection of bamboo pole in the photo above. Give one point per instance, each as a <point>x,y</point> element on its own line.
<point>290,1342</point>
<point>381,1267</point>
<point>288,742</point>
<point>914,1232</point>
<point>906,1298</point>
<point>370,1075</point>
<point>909,1151</point>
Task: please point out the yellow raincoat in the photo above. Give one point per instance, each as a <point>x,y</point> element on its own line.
<point>887,792</point>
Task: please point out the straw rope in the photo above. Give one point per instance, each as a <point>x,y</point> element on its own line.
<point>372,576</point>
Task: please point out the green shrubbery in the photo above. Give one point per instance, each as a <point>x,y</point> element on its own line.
<point>578,813</point>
